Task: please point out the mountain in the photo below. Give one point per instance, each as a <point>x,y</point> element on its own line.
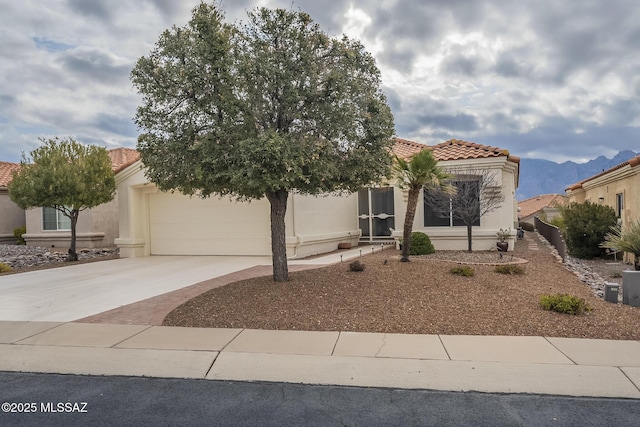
<point>539,176</point>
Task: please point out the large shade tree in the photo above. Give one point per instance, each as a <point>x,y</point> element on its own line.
<point>419,172</point>
<point>64,175</point>
<point>260,110</point>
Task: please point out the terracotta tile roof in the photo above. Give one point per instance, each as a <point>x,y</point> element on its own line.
<point>406,149</point>
<point>538,203</point>
<point>632,162</point>
<point>454,149</point>
<point>6,168</point>
<point>122,157</point>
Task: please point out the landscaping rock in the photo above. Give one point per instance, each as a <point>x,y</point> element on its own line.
<point>20,256</point>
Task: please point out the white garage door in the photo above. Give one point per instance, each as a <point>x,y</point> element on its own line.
<point>179,225</point>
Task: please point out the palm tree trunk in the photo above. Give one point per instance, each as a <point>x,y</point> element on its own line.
<point>412,202</point>
<point>278,201</point>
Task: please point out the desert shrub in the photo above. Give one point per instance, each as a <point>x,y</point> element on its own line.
<point>421,244</point>
<point>462,270</point>
<point>356,266</point>
<point>18,232</point>
<point>627,240</point>
<point>586,225</point>
<point>526,226</point>
<point>557,221</point>
<point>4,268</point>
<point>564,303</point>
<point>509,269</point>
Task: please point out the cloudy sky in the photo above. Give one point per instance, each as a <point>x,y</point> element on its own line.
<point>558,80</point>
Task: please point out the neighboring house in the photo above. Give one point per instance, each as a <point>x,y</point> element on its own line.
<point>164,223</point>
<point>618,187</point>
<point>543,206</point>
<point>97,227</point>
<point>11,215</point>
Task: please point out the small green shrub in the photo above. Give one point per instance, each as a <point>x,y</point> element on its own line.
<point>18,232</point>
<point>4,268</point>
<point>509,269</point>
<point>526,226</point>
<point>463,270</point>
<point>557,221</point>
<point>356,266</point>
<point>420,244</point>
<point>586,225</point>
<point>564,303</point>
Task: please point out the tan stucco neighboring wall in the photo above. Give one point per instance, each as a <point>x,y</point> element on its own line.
<point>604,188</point>
<point>97,228</point>
<point>484,236</point>
<point>11,217</point>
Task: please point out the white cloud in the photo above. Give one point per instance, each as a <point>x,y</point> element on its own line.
<point>558,76</point>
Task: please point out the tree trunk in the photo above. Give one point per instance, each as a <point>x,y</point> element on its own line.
<point>412,202</point>
<point>469,237</point>
<point>278,201</point>
<point>73,256</point>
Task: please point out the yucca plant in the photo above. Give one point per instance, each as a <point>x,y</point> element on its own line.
<point>627,240</point>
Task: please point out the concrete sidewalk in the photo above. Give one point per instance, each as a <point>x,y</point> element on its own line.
<point>496,364</point>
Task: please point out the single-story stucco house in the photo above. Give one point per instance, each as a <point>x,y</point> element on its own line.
<point>11,215</point>
<point>618,187</point>
<point>97,227</point>
<point>153,222</point>
<point>543,206</point>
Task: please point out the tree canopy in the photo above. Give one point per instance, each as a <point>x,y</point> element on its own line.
<point>64,175</point>
<point>259,110</point>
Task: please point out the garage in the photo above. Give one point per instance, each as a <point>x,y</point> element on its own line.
<point>180,225</point>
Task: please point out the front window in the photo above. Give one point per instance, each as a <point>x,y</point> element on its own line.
<point>619,204</point>
<point>54,220</point>
<point>441,210</point>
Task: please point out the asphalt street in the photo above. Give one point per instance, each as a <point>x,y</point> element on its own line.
<point>70,400</point>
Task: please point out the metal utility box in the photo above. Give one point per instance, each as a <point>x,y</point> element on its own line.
<point>611,292</point>
<point>631,288</point>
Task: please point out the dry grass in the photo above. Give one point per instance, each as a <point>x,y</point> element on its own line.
<point>417,297</point>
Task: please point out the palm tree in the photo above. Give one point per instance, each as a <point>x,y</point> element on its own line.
<point>625,241</point>
<point>420,171</point>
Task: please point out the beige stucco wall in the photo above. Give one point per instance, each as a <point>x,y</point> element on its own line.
<point>603,190</point>
<point>317,224</point>
<point>484,236</point>
<point>313,224</point>
<point>11,217</point>
<point>96,228</point>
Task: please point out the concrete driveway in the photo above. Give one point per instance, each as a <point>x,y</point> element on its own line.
<point>69,293</point>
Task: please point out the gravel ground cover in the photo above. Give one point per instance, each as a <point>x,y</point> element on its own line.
<point>28,258</point>
<point>417,297</point>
